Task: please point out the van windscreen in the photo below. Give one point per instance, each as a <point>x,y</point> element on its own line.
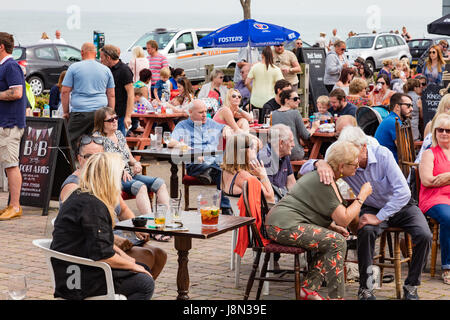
<point>162,38</point>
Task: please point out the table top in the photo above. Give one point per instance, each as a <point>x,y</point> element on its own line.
<point>174,153</point>
<point>324,134</point>
<point>160,115</point>
<point>192,221</point>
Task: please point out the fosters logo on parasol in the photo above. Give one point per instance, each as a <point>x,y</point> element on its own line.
<point>260,26</point>
<point>230,39</point>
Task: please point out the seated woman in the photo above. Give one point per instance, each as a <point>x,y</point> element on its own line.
<point>381,94</point>
<point>239,163</point>
<point>346,77</point>
<point>434,197</point>
<point>105,125</point>
<point>231,115</point>
<point>84,228</point>
<point>290,116</point>
<point>154,257</point>
<point>184,97</point>
<point>215,88</point>
<point>358,93</point>
<point>314,216</point>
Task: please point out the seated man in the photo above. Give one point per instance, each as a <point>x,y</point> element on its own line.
<point>340,105</point>
<point>275,156</point>
<point>400,107</point>
<point>155,258</point>
<point>199,131</point>
<point>389,205</point>
<point>348,120</point>
<point>275,103</point>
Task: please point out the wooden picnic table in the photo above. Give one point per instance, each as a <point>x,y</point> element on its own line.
<point>183,239</point>
<point>317,139</point>
<point>147,120</point>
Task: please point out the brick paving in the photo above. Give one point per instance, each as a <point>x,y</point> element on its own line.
<point>209,262</point>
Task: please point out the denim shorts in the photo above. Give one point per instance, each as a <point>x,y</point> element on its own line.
<point>133,186</point>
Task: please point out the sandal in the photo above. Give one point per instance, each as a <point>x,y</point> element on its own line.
<point>446,276</point>
<point>312,293</point>
<point>160,237</point>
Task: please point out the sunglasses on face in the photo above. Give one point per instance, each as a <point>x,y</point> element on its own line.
<point>423,84</point>
<point>279,45</point>
<point>111,120</point>
<point>236,96</point>
<point>434,52</point>
<point>442,130</point>
<point>295,98</point>
<point>409,105</point>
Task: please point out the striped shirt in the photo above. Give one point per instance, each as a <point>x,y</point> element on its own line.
<point>156,64</point>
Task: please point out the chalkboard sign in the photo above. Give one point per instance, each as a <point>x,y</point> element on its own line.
<point>315,57</point>
<point>45,161</point>
<point>430,102</point>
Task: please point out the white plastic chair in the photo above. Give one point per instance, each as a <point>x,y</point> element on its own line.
<point>44,245</point>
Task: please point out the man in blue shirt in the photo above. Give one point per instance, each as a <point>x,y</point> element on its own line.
<point>89,86</point>
<point>401,107</point>
<point>339,104</point>
<point>13,103</point>
<point>201,132</point>
<point>389,205</point>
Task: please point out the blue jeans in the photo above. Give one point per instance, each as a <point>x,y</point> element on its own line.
<point>133,186</point>
<point>121,126</point>
<point>441,213</point>
<point>216,175</point>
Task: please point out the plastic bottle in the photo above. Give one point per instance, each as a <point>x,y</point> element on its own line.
<point>46,111</point>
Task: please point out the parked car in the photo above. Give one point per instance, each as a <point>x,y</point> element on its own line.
<point>375,48</point>
<point>44,63</point>
<point>180,46</point>
<point>417,47</point>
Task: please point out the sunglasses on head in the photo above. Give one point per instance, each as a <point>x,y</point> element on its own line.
<point>115,118</point>
<point>85,139</point>
<point>236,96</point>
<point>442,130</point>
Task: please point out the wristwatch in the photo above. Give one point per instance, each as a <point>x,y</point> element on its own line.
<point>360,201</point>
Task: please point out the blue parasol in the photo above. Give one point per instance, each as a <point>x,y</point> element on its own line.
<point>248,33</point>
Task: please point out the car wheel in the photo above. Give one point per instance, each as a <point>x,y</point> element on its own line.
<point>371,65</point>
<point>37,85</point>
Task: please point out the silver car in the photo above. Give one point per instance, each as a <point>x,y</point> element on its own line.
<point>375,48</point>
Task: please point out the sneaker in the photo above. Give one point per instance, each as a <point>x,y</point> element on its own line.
<point>410,293</point>
<point>10,213</point>
<point>366,294</point>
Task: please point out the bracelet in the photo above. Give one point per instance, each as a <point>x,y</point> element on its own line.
<point>264,179</point>
<point>360,201</point>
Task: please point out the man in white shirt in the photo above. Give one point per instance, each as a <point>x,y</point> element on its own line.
<point>333,39</point>
<point>58,38</point>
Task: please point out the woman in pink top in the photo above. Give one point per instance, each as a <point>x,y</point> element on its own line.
<point>138,62</point>
<point>231,115</point>
<point>434,198</point>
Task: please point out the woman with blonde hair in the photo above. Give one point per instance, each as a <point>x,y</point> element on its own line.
<point>388,65</point>
<point>138,62</point>
<point>215,88</point>
<point>84,228</point>
<point>231,115</point>
<point>45,38</point>
<point>434,197</point>
<point>434,65</point>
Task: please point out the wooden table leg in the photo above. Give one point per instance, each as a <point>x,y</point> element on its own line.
<point>173,180</point>
<point>315,149</point>
<point>183,245</point>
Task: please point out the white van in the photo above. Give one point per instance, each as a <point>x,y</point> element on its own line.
<point>180,46</point>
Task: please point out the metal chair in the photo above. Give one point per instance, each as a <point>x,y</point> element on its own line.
<point>44,245</point>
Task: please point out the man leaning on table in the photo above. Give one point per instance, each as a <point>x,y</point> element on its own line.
<point>389,205</point>
<point>201,132</point>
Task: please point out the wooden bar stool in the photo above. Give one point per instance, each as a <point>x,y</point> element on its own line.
<point>395,260</point>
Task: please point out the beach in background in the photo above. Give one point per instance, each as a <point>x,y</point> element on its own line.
<point>122,29</point>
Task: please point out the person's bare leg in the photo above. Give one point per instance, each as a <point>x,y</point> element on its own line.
<point>243,124</point>
<point>163,195</point>
<point>14,185</point>
<point>154,258</point>
<point>142,201</point>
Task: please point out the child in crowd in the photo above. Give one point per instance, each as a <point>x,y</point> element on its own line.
<point>139,98</point>
<point>323,104</point>
<point>397,82</point>
<point>163,87</point>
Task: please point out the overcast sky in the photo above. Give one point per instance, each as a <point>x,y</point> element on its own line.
<point>303,7</point>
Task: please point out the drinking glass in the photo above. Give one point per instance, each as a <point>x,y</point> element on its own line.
<point>159,134</point>
<point>17,287</point>
<point>160,215</point>
<point>175,207</point>
<point>166,137</point>
<point>55,114</point>
<point>255,116</point>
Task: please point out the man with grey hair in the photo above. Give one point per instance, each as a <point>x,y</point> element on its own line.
<point>276,158</point>
<point>89,86</point>
<point>201,132</point>
<point>389,205</point>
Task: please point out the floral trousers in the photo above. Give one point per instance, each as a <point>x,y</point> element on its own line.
<point>328,248</point>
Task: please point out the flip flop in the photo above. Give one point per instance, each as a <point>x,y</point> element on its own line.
<point>160,237</point>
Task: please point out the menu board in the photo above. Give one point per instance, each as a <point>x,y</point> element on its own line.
<point>430,102</point>
<point>315,57</point>
<point>44,151</point>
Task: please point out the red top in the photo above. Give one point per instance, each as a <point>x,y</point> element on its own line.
<point>430,197</point>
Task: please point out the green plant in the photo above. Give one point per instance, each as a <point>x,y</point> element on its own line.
<point>42,100</point>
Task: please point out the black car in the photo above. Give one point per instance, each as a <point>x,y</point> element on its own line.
<point>417,47</point>
<point>45,62</point>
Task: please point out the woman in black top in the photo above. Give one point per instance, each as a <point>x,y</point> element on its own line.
<point>84,228</point>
